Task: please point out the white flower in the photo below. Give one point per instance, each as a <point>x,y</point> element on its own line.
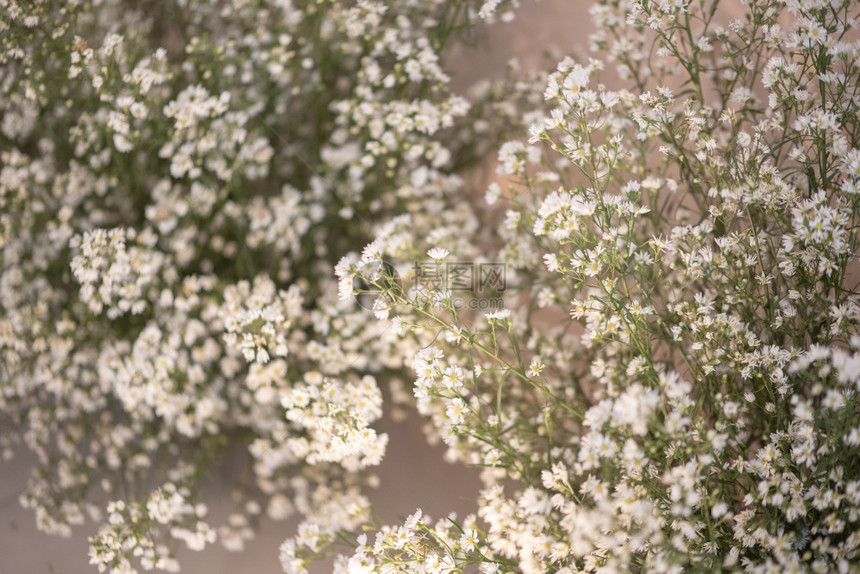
<point>438,253</point>
<point>493,193</point>
<point>498,315</point>
<point>536,367</point>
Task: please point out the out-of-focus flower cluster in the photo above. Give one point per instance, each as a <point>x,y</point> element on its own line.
<point>177,180</point>
<point>204,205</point>
<point>672,384</point>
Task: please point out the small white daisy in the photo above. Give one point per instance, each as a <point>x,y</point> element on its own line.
<point>438,253</point>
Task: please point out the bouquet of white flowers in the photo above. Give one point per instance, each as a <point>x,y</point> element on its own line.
<point>672,382</point>
<point>647,337</point>
<point>177,180</point>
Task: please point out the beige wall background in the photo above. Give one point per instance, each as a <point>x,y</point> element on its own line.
<point>413,474</point>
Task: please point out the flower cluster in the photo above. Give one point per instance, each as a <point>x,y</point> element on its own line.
<point>177,180</point>
<point>113,277</point>
<point>258,318</point>
<point>672,383</point>
<point>433,547</point>
<point>667,379</point>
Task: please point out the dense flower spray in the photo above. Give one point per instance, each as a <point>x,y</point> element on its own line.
<point>235,226</point>
<point>672,385</point>
<point>177,180</point>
